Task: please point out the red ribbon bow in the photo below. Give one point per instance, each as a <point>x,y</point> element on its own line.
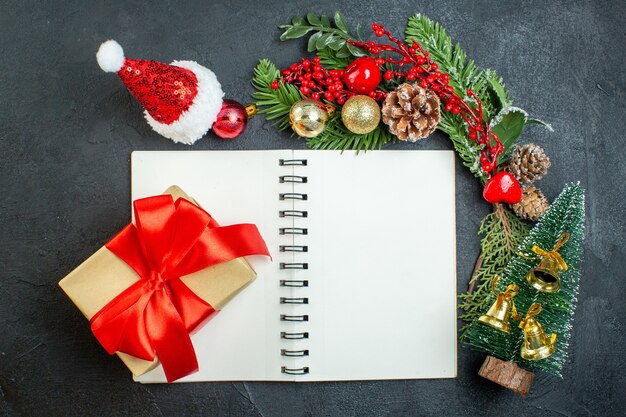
<point>156,314</point>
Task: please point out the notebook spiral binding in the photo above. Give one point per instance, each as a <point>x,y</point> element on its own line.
<point>294,248</point>
<point>292,178</point>
<point>290,162</point>
<point>293,231</point>
<point>286,352</point>
<point>293,213</point>
<point>287,317</point>
<point>294,283</point>
<point>294,300</point>
<point>294,336</point>
<point>292,196</point>
<point>286,265</point>
<point>294,181</point>
<point>295,371</point>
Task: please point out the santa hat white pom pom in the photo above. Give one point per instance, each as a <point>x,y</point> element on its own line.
<point>110,56</point>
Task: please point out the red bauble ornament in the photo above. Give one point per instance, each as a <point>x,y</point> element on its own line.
<point>362,76</point>
<point>502,188</point>
<point>232,119</point>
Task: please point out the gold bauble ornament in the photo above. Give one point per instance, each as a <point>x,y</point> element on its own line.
<point>360,114</point>
<point>308,117</point>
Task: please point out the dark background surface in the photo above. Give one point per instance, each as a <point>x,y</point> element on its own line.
<point>67,130</point>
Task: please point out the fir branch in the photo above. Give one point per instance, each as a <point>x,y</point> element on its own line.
<point>274,103</point>
<point>337,137</point>
<point>497,92</point>
<point>503,231</point>
<point>468,151</point>
<point>464,75</point>
<point>506,227</point>
<point>452,59</point>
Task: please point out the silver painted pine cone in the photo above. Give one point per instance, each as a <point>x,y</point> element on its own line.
<point>529,163</point>
<point>411,112</point>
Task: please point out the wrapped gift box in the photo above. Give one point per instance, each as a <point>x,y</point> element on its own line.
<point>103,276</point>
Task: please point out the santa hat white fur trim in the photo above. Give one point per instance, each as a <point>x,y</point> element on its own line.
<point>110,56</point>
<point>200,116</point>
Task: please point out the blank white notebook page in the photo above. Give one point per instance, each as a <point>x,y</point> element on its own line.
<point>380,262</point>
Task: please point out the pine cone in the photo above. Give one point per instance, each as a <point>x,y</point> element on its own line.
<point>532,205</point>
<point>529,163</point>
<point>411,112</point>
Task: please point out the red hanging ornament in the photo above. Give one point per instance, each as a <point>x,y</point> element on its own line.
<point>502,188</point>
<point>362,76</point>
<point>232,119</point>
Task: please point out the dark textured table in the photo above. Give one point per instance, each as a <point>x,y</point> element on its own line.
<point>67,130</point>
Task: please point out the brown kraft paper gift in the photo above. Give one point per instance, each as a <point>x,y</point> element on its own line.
<point>103,276</point>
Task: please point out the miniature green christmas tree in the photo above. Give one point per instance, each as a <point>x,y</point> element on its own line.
<point>561,229</point>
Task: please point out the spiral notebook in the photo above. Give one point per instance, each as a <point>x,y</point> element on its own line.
<point>362,284</point>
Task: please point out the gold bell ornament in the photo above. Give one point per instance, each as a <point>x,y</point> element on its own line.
<point>536,344</point>
<point>545,276</point>
<point>499,313</point>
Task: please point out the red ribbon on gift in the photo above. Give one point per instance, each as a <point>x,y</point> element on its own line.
<point>156,314</point>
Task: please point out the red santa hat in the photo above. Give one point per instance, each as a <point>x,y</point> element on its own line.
<point>181,100</point>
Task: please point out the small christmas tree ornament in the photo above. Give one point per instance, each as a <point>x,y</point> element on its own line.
<point>500,312</point>
<point>536,344</point>
<point>309,117</point>
<point>362,76</point>
<point>502,188</point>
<point>532,205</point>
<point>411,112</point>
<point>360,114</point>
<point>232,119</point>
<point>182,100</point>
<point>506,364</point>
<point>529,163</point>
<point>545,276</point>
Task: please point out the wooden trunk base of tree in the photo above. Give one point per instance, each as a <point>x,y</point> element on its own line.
<point>507,374</point>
